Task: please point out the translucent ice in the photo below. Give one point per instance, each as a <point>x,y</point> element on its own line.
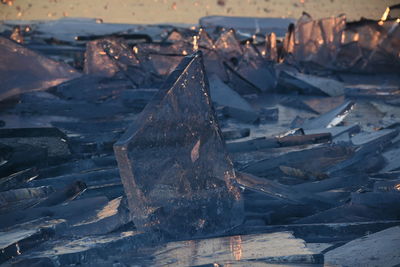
<point>23,70</point>
<point>176,174</point>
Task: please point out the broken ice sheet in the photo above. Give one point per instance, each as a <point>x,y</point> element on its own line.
<point>234,106</point>
<point>109,56</point>
<point>295,102</point>
<point>370,46</point>
<point>67,194</point>
<point>373,91</point>
<point>329,119</point>
<point>392,160</point>
<point>97,61</point>
<point>16,179</point>
<point>18,240</point>
<point>164,64</point>
<point>204,40</point>
<point>17,35</point>
<point>310,84</point>
<point>108,218</point>
<point>52,139</point>
<point>84,250</point>
<point>246,25</point>
<point>22,198</point>
<point>43,103</point>
<point>180,34</point>
<point>229,47</point>
<point>212,59</point>
<point>239,82</point>
<point>265,163</point>
<point>256,69</point>
<point>94,89</point>
<point>236,134</point>
<point>317,41</point>
<point>176,174</point>
<point>378,249</point>
<point>244,63</point>
<point>387,186</point>
<point>269,114</point>
<point>74,212</point>
<point>366,114</point>
<point>361,46</point>
<point>23,70</point>
<point>283,247</point>
<point>20,162</point>
<point>223,95</point>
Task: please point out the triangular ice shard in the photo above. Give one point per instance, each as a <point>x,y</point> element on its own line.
<point>108,56</point>
<point>176,173</point>
<point>229,47</point>
<point>23,70</point>
<point>204,40</point>
<point>97,61</point>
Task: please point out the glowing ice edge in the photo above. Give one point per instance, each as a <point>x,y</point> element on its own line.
<point>338,119</point>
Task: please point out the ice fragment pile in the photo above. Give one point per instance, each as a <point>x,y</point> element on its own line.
<point>200,146</point>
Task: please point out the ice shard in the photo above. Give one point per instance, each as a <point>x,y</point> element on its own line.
<point>97,61</point>
<point>256,69</point>
<point>204,40</point>
<point>310,84</point>
<point>234,105</point>
<point>176,174</point>
<point>17,179</point>
<point>108,56</point>
<point>271,49</point>
<point>16,35</point>
<point>361,46</point>
<point>23,70</point>
<point>370,46</point>
<point>212,59</point>
<point>318,41</point>
<point>330,118</point>
<point>23,198</point>
<point>68,193</point>
<point>223,95</point>
<point>229,47</point>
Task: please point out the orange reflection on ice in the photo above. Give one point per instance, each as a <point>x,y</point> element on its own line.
<point>385,14</point>
<point>236,247</point>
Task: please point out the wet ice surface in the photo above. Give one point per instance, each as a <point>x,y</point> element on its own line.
<point>150,150</point>
<point>285,250</point>
<point>237,250</point>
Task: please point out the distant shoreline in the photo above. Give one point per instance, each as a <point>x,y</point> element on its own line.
<point>187,11</point>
